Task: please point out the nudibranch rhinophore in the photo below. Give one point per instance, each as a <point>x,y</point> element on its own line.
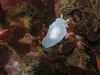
<point>56,32</point>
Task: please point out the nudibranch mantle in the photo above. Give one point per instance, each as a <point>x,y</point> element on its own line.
<point>56,32</point>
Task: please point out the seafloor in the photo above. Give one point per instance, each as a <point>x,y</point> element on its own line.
<point>25,23</point>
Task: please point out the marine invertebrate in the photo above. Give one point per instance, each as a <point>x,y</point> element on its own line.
<point>56,32</point>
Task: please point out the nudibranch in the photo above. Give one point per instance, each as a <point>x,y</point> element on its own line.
<point>56,32</point>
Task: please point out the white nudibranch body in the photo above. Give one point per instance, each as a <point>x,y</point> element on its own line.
<point>56,32</point>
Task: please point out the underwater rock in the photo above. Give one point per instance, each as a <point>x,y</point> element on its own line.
<point>93,39</point>
<point>36,28</point>
<point>67,47</point>
<point>13,32</point>
<point>92,73</point>
<point>46,8</point>
<point>13,66</point>
<point>2,16</point>
<point>95,45</point>
<point>20,47</point>
<point>71,27</point>
<point>77,71</point>
<point>3,71</point>
<point>4,54</point>
<point>92,36</point>
<point>5,35</point>
<point>83,3</point>
<point>19,32</point>
<point>35,43</point>
<point>9,4</point>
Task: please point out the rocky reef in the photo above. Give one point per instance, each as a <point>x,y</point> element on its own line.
<point>24,24</point>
